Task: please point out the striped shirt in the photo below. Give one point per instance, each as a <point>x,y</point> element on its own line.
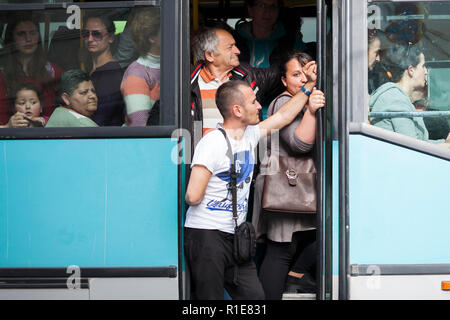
<point>141,88</point>
<point>208,86</point>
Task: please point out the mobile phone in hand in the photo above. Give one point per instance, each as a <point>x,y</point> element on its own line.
<point>34,123</point>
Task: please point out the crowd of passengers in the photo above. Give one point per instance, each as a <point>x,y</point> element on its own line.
<point>268,56</point>
<point>267,53</point>
<point>98,90</point>
<point>274,71</point>
<point>398,81</point>
<point>275,64</point>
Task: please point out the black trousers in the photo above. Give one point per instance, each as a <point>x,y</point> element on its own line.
<point>212,268</point>
<point>299,255</point>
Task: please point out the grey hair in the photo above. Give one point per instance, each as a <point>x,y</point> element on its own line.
<point>71,79</point>
<point>204,40</point>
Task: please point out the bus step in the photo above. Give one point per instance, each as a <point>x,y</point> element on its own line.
<point>299,296</point>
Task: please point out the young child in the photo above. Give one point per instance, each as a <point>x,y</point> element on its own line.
<point>27,107</point>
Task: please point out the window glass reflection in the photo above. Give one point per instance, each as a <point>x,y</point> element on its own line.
<point>408,55</point>
<point>116,50</point>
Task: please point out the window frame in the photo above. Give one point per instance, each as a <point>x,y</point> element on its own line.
<point>176,93</point>
<point>355,84</point>
<point>175,53</point>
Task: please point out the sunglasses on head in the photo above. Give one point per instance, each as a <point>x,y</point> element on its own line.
<point>409,47</point>
<point>96,34</point>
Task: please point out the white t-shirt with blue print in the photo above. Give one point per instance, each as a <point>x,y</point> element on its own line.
<point>215,210</point>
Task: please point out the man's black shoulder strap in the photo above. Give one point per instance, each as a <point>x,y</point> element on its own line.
<point>233,177</point>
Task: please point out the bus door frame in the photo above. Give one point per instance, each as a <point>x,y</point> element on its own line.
<point>324,154</point>
<point>353,115</point>
<point>351,18</point>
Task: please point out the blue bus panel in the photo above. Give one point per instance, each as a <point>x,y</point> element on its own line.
<point>88,202</point>
<point>398,204</point>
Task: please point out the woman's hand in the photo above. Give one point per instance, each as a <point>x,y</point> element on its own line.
<point>316,101</point>
<point>310,71</point>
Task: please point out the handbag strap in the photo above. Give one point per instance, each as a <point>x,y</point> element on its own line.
<point>272,105</point>
<point>270,113</point>
<point>233,177</point>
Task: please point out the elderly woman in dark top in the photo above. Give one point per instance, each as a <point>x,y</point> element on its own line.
<point>290,255</point>
<point>106,73</point>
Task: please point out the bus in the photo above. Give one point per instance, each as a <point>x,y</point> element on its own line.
<point>97,213</point>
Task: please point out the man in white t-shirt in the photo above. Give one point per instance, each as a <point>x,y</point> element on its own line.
<point>209,225</point>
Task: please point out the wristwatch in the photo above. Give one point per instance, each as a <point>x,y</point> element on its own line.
<point>307,92</point>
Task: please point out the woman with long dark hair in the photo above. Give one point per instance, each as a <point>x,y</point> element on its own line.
<point>24,60</point>
<point>106,73</point>
<point>406,65</point>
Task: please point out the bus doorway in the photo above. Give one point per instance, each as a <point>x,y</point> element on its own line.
<point>304,20</point>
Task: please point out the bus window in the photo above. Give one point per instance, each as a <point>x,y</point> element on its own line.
<point>117,50</point>
<point>408,60</point>
<point>308,27</point>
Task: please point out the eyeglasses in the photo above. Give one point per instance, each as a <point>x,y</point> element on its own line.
<point>97,35</point>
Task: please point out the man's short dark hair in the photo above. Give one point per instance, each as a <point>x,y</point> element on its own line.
<point>229,94</point>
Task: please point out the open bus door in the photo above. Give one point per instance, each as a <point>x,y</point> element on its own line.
<point>393,213</point>
<point>316,29</point>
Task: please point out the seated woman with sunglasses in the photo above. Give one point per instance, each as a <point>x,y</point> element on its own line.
<point>406,65</point>
<point>80,101</point>
<point>106,73</point>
